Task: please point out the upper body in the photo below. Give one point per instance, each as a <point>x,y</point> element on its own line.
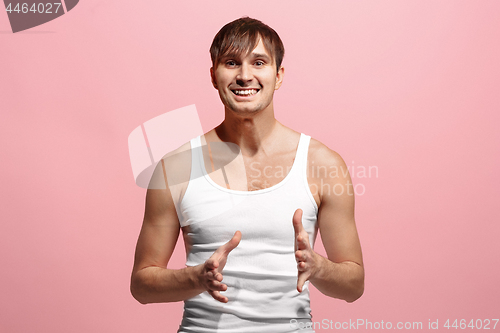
<point>246,76</point>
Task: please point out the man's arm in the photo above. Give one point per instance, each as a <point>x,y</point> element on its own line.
<point>341,275</point>
<point>152,281</point>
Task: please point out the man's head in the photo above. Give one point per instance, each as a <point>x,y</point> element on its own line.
<point>241,36</point>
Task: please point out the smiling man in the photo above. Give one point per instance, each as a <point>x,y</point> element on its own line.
<point>249,235</point>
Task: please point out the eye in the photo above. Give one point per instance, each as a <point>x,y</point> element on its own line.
<point>230,63</point>
<point>259,63</point>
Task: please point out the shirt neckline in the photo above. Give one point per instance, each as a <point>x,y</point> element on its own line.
<point>264,190</point>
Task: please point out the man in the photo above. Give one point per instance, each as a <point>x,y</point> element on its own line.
<point>249,225</point>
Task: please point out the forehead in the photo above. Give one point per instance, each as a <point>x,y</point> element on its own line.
<point>259,50</point>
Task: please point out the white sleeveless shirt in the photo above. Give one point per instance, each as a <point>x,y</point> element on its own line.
<point>261,272</point>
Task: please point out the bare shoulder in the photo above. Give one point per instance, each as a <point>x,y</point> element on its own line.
<point>321,155</point>
<point>173,168</point>
<point>178,154</point>
<point>327,174</point>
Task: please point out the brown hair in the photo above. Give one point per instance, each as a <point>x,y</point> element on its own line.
<point>241,37</point>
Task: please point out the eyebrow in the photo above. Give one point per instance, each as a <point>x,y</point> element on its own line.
<point>261,55</point>
<point>235,56</point>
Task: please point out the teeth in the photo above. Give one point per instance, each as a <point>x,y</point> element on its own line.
<point>245,92</point>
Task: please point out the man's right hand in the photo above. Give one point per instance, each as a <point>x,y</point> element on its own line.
<point>211,275</point>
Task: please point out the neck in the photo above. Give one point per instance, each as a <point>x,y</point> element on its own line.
<point>251,132</point>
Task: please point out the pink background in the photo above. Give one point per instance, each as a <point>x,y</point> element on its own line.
<point>411,87</point>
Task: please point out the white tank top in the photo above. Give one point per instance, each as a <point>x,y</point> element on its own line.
<point>261,272</point>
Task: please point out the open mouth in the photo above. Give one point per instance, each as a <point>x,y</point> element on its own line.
<point>245,92</point>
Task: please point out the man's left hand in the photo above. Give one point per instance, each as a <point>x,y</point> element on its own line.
<point>308,261</point>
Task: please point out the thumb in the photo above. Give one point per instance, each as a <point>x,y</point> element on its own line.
<point>297,221</point>
<point>300,282</point>
<point>232,243</point>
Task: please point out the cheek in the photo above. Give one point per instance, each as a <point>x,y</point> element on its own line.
<point>222,75</point>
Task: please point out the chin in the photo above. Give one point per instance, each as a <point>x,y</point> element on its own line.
<point>247,111</point>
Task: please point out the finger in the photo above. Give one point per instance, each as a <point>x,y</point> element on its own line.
<point>214,275</point>
<point>218,276</point>
<point>218,297</point>
<point>299,256</point>
<point>232,243</point>
<point>302,242</point>
<point>302,278</point>
<point>301,266</point>
<point>212,264</point>
<point>217,286</point>
<point>297,222</point>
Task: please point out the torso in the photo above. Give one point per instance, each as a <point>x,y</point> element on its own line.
<point>264,170</point>
<point>210,215</point>
<point>253,173</point>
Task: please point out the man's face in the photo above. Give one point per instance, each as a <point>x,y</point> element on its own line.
<point>246,84</point>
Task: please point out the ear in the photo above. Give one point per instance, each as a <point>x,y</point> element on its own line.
<point>279,78</point>
<point>212,77</point>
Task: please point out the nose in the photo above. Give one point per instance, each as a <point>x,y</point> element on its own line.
<point>244,74</point>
